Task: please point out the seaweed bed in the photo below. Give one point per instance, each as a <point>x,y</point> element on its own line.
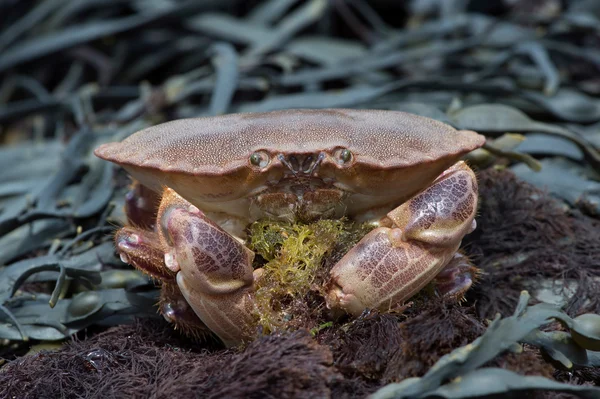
<point>147,359</point>
<point>525,73</point>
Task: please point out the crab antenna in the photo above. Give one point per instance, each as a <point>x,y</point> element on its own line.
<point>287,164</point>
<point>314,166</point>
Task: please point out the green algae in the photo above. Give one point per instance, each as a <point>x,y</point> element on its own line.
<point>294,259</point>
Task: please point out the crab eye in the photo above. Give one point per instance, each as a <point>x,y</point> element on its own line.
<point>344,155</point>
<point>260,159</point>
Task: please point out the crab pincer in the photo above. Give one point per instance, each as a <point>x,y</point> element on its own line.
<point>214,270</point>
<point>390,264</point>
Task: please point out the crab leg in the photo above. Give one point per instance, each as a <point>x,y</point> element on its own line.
<point>392,263</point>
<point>143,250</point>
<point>214,270</point>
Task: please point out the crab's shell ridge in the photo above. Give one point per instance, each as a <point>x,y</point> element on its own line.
<point>213,145</point>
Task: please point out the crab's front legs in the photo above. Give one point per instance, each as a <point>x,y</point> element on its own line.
<point>214,270</point>
<point>198,260</point>
<point>420,239</point>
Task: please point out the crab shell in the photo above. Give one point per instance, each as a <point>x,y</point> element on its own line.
<point>207,161</point>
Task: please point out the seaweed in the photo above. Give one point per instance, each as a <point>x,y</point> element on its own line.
<point>457,374</point>
<point>294,257</point>
<point>76,74</point>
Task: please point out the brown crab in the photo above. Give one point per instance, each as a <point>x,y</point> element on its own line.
<point>218,174</point>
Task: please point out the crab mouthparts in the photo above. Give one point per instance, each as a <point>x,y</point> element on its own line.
<point>302,165</point>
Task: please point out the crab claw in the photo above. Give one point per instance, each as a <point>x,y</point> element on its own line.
<point>391,264</point>
<point>214,270</point>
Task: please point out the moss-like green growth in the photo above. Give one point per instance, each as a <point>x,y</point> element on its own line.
<point>295,258</point>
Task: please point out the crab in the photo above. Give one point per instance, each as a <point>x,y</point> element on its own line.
<point>211,177</point>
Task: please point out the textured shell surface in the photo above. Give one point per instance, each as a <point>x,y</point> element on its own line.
<point>213,145</point>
